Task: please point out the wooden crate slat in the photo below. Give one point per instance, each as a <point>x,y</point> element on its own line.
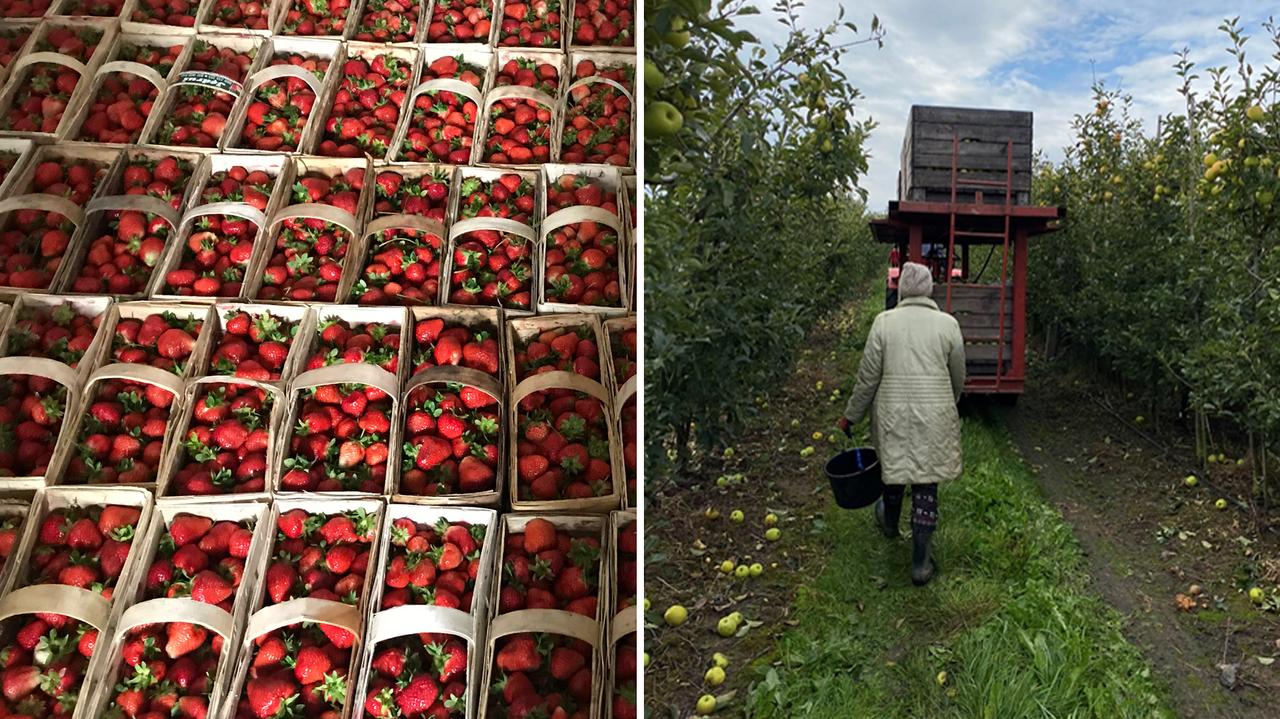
<point>935,113</point>
<point>941,179</point>
<point>986,353</point>
<point>981,133</point>
<point>942,162</point>
<point>927,148</point>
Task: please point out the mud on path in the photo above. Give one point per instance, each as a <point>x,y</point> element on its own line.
<point>684,549</point>
<point>1148,538</point>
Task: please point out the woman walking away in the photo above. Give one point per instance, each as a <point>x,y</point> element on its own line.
<point>910,379</point>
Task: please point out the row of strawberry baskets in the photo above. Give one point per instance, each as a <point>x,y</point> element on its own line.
<point>83,80</point>
<point>115,605</point>
<point>425,405</point>
<point>143,223</point>
<point>568,24</point>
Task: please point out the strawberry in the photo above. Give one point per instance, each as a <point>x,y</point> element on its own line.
<point>308,256</point>
<point>122,437</point>
<point>270,695</point>
<point>385,21</point>
<point>346,454</point>
<point>460,21</point>
<point>442,122</point>
<point>226,447</point>
<point>30,423</point>
<point>530,24</point>
<point>290,100</point>
<point>366,106</point>
<point>254,346</point>
<point>124,100</point>
<point>581,258</point>
<point>196,116</point>
<point>608,23</point>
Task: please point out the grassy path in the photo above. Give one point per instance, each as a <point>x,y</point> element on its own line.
<point>843,633</point>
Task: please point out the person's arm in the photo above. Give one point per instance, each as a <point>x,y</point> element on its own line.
<point>864,391</point>
<point>955,362</point>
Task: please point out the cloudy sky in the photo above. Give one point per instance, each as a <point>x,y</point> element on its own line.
<point>1023,54</point>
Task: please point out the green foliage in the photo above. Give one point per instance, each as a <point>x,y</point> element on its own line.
<point>1010,620</point>
<point>753,222</point>
<point>1169,267</point>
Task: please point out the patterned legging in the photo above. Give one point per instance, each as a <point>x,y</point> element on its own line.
<point>924,504</point>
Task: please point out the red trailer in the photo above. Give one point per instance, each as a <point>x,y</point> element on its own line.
<point>964,210</point>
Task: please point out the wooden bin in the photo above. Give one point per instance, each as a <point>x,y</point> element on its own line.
<point>86,306</point>
<point>977,142</point>
<point>165,105</point>
<point>263,619</point>
<point>54,498</point>
<point>330,50</point>
<point>332,167</point>
<point>96,224</point>
<point>581,385</point>
<point>547,621</point>
<point>608,61</point>
<point>111,65</point>
<point>132,611</point>
<point>490,386</point>
<point>71,380</point>
<point>18,77</point>
<point>140,310</point>
<point>476,55</point>
<point>81,605</point>
<point>176,458</point>
<point>142,374</point>
<point>366,244</point>
<point>363,374</point>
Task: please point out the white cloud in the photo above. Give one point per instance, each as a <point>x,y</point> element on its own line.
<point>1021,54</point>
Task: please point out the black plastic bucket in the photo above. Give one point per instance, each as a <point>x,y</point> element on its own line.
<point>855,477</point>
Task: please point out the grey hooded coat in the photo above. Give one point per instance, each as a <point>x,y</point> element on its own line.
<point>910,380</point>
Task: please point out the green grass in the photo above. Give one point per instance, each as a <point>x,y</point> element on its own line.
<point>1009,618</point>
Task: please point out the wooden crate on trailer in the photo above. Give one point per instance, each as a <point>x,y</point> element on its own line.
<point>980,139</point>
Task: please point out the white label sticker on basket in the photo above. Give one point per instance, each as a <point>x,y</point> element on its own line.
<point>213,80</point>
